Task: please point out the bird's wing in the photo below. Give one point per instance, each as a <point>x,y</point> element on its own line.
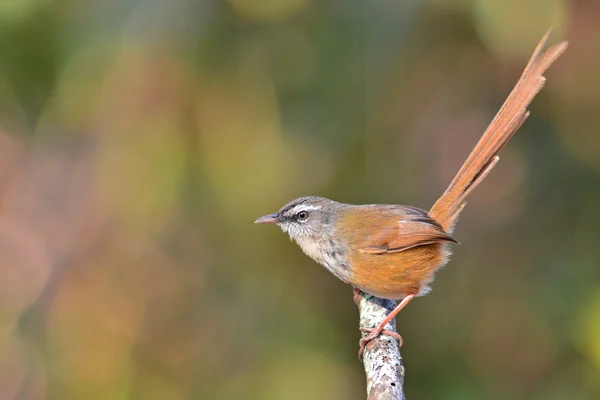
<point>395,233</point>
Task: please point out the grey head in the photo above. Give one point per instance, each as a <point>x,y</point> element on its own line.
<point>305,217</point>
<point>310,222</point>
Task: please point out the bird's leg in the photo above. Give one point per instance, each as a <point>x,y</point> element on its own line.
<point>357,293</point>
<point>380,329</point>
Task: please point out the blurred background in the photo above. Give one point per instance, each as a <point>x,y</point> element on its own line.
<point>139,140</point>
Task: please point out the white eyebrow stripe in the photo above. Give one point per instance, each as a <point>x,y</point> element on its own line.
<point>304,207</point>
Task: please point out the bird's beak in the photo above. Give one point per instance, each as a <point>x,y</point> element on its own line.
<point>267,219</point>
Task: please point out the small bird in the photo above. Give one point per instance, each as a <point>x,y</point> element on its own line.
<point>393,251</point>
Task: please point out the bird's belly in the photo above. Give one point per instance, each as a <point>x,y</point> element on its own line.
<point>397,275</point>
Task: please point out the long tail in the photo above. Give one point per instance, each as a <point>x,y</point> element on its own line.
<point>507,121</point>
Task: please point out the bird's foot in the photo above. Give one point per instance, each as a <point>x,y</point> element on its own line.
<point>374,333</point>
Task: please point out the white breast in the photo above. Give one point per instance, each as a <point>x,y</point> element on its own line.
<point>334,261</point>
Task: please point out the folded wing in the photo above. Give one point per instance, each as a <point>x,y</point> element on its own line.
<point>409,229</point>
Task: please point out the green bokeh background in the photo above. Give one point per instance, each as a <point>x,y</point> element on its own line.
<point>139,140</point>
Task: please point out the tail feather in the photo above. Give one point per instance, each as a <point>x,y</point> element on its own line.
<point>505,124</point>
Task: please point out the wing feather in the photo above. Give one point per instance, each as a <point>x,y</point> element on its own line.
<point>403,232</point>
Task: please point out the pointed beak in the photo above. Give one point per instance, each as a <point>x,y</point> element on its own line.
<point>267,219</point>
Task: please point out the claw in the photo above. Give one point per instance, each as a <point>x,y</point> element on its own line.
<point>374,333</point>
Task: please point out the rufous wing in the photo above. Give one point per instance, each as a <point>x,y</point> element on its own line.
<point>404,233</point>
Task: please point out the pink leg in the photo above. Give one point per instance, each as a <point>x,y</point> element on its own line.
<point>357,293</point>
<point>374,332</point>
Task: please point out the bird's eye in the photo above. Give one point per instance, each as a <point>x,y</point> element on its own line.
<point>302,215</point>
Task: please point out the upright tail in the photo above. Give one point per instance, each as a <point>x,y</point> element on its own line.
<point>507,121</point>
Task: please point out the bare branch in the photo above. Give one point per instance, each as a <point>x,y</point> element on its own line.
<point>382,359</point>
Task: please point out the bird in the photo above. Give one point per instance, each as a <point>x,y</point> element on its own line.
<point>393,251</point>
